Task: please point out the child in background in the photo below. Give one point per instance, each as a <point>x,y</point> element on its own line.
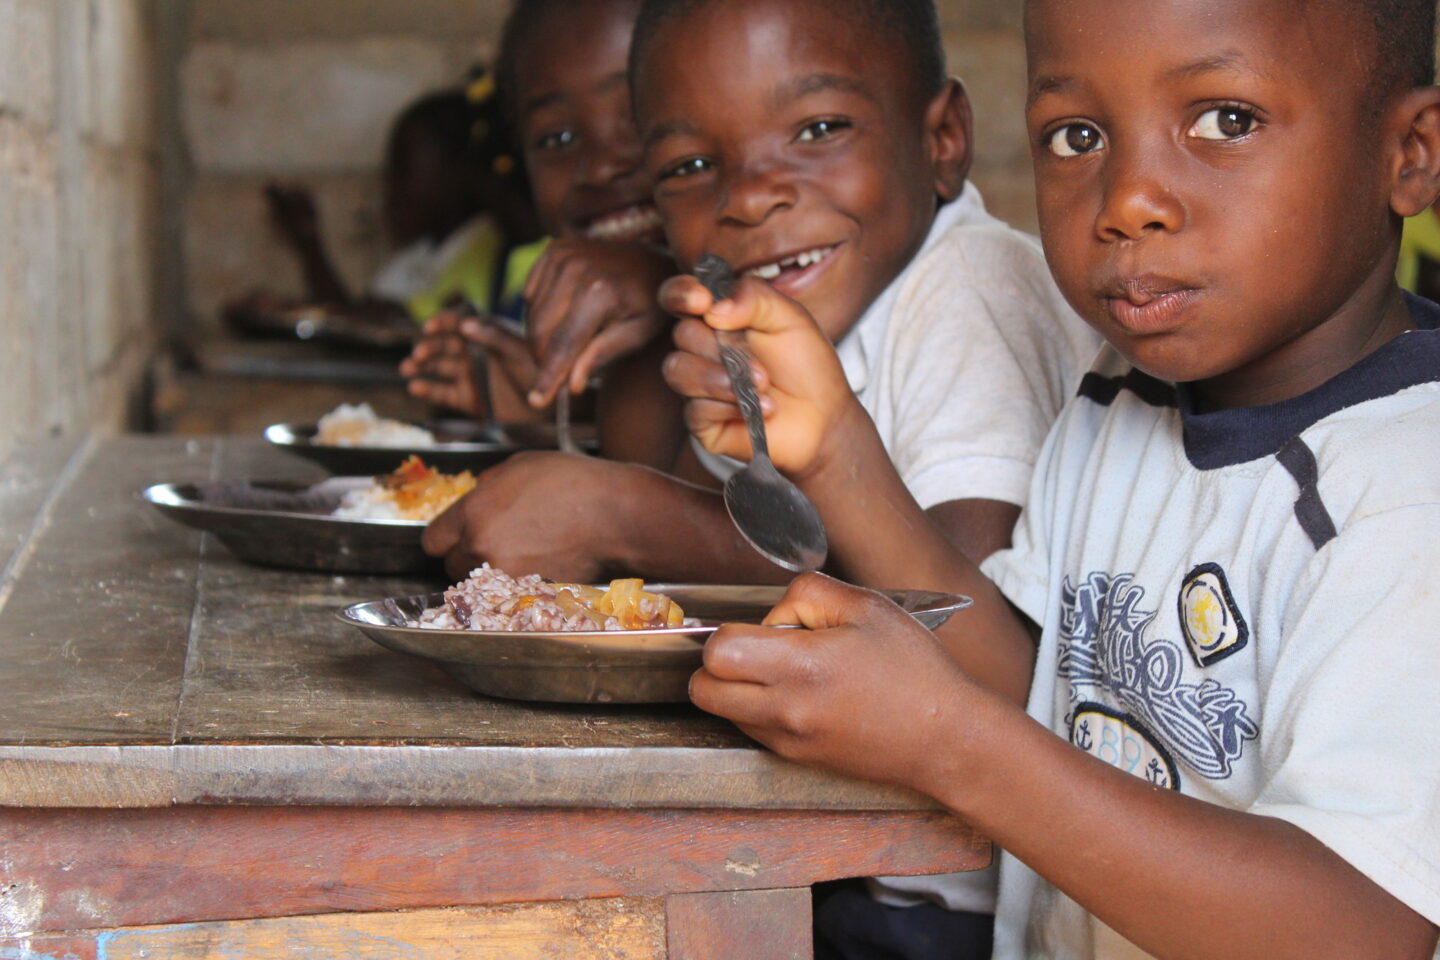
<point>455,203</point>
<point>590,299</point>
<point>1230,548</point>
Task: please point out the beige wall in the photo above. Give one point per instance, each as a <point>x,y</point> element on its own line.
<point>79,188</point>
<point>303,91</point>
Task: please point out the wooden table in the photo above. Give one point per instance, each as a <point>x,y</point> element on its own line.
<point>197,760</point>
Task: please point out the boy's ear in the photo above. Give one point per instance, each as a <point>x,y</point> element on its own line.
<point>1416,160</point>
<point>948,132</point>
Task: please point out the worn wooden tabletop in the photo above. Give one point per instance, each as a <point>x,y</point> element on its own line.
<point>144,666</point>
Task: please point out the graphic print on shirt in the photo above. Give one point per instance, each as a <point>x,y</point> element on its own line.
<point>1120,740</point>
<point>1107,658</point>
<point>1212,624</point>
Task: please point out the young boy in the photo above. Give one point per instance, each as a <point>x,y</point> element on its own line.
<point>1234,578</point>
<point>849,196</point>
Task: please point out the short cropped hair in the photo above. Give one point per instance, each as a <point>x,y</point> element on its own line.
<point>1405,43</point>
<point>912,25</point>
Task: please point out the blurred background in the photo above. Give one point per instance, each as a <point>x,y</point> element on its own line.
<point>136,139</point>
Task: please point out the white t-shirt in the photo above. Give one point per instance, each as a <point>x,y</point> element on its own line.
<point>964,361</point>
<point>418,267</point>
<point>1242,605</point>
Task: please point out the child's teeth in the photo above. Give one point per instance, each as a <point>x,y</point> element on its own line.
<point>801,260</point>
<point>627,224</point>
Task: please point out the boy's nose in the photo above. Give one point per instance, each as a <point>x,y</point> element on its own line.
<point>1137,200</point>
<point>751,196</point>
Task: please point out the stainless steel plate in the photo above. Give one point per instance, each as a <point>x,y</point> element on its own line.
<point>286,524</point>
<point>618,666</point>
<point>460,445</point>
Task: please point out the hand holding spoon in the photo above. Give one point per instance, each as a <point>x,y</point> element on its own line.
<point>769,511</point>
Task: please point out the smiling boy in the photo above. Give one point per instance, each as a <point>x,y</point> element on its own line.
<point>1230,549</point>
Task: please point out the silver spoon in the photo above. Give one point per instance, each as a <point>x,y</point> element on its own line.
<point>769,511</point>
<point>563,439</point>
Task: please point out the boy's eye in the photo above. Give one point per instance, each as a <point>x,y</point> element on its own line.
<point>820,129</point>
<point>1074,139</point>
<point>556,140</point>
<point>1223,123</point>
<point>688,167</point>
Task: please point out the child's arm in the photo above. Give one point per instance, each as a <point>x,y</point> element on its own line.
<point>821,437</point>
<point>584,519</point>
<point>867,692</point>
<point>639,419</point>
<point>293,210</point>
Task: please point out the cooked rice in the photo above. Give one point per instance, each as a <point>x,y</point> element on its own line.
<point>356,425</point>
<point>412,492</point>
<point>493,600</point>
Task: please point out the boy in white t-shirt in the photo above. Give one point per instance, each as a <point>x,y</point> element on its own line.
<point>1230,748</point>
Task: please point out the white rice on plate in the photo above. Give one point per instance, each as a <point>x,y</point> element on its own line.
<point>356,425</point>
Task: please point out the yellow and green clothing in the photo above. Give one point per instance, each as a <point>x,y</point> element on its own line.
<point>1418,269</point>
<point>473,261</point>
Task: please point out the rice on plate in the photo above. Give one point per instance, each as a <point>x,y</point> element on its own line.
<point>413,491</point>
<point>356,425</point>
<point>492,600</point>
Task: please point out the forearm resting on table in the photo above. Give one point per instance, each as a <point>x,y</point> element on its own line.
<point>1177,876</point>
<point>880,538</point>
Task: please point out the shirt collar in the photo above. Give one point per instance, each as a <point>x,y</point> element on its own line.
<point>1240,434</point>
<point>866,338</point>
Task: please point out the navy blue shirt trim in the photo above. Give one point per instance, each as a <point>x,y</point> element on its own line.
<point>1103,390</point>
<point>1310,511</point>
<point>1241,434</point>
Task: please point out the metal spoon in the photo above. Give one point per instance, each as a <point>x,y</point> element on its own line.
<point>563,438</point>
<point>769,511</point>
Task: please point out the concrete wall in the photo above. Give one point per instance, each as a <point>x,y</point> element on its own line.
<point>303,91</point>
<point>79,202</point>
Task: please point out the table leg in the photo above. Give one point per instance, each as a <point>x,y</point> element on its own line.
<point>739,925</point>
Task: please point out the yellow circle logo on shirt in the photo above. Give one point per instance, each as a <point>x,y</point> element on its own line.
<point>1209,618</point>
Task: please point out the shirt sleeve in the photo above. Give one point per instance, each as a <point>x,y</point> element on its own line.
<point>1351,749</point>
<point>979,368</point>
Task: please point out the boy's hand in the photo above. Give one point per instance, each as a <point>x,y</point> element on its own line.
<point>803,391</point>
<point>440,369</point>
<point>589,303</point>
<point>535,513</point>
<point>856,691</point>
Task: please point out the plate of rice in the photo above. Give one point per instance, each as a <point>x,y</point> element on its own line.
<point>340,525</point>
<point>353,439</point>
<point>626,641</point>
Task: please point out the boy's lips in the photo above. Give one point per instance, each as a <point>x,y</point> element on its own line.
<point>627,223</point>
<point>793,271</point>
<point>1149,304</point>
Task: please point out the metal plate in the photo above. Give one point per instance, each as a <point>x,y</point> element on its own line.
<point>460,445</point>
<point>285,524</point>
<point>617,666</point>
